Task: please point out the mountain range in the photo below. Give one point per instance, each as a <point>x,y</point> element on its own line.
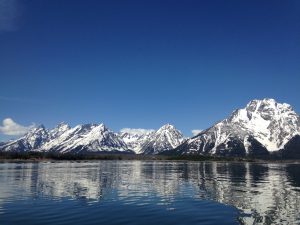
<point>262,128</point>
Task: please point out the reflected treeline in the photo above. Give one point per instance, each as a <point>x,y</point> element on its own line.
<point>265,193</point>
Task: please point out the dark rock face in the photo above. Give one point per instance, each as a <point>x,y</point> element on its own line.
<point>233,147</point>
<point>256,149</point>
<point>292,148</point>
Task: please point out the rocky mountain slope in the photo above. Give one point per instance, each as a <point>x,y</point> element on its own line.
<point>34,139</point>
<point>63,139</point>
<point>261,127</point>
<point>95,138</point>
<point>152,142</point>
<point>83,138</point>
<point>136,138</point>
<point>165,138</point>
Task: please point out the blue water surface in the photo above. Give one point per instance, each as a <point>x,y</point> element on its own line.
<point>148,192</point>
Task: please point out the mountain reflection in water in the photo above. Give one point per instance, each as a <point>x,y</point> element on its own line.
<point>263,193</point>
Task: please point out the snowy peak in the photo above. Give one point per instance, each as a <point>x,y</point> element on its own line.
<point>270,122</point>
<point>100,138</point>
<point>169,134</point>
<point>165,138</point>
<point>63,126</point>
<point>35,138</point>
<point>262,126</point>
<point>136,131</point>
<point>267,104</point>
<point>166,127</point>
<point>63,139</point>
<point>36,130</point>
<point>59,130</point>
<point>267,109</point>
<point>135,138</point>
<point>150,141</point>
<point>85,138</point>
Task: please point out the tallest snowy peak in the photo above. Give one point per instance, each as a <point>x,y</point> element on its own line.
<point>266,103</point>
<point>262,126</point>
<point>266,109</point>
<point>266,121</point>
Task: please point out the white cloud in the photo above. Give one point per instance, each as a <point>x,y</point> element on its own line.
<point>136,130</point>
<point>9,13</point>
<point>196,131</point>
<point>12,128</point>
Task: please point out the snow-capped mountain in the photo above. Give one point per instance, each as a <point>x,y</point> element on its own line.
<point>271,123</point>
<point>84,138</point>
<point>136,138</point>
<point>165,138</point>
<point>96,138</point>
<point>59,130</point>
<point>63,139</point>
<point>34,139</point>
<point>262,126</point>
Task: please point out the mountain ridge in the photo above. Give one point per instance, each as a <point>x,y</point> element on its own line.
<point>93,138</point>
<point>261,128</point>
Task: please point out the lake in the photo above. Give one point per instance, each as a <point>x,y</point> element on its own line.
<point>149,192</point>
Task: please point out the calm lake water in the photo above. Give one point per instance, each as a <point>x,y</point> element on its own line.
<point>149,192</point>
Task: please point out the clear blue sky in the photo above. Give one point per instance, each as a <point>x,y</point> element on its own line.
<point>142,64</point>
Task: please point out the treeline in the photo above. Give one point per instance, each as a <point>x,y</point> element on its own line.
<point>75,156</point>
<point>39,156</point>
<point>30,155</point>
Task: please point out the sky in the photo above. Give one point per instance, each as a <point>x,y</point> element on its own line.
<point>145,63</point>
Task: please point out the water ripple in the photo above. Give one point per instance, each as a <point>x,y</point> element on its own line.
<point>149,192</point>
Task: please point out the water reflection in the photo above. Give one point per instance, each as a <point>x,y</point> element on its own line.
<point>264,193</point>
